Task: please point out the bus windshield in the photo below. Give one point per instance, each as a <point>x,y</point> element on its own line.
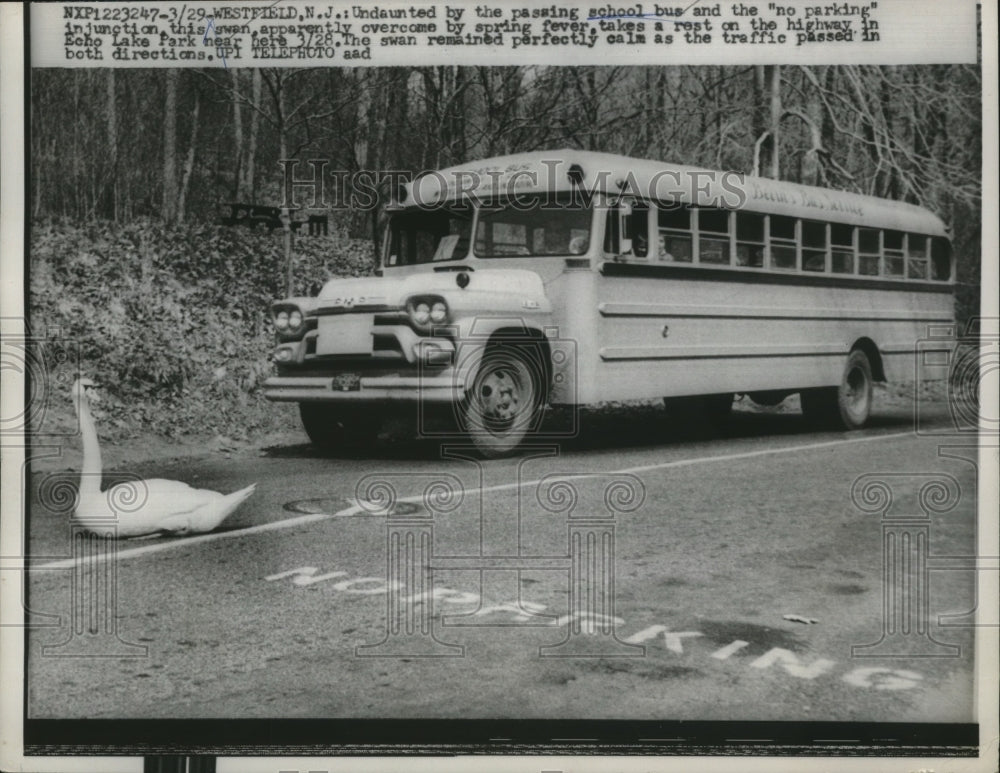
<point>422,236</point>
<point>533,227</point>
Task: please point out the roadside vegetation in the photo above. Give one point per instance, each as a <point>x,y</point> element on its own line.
<point>171,320</point>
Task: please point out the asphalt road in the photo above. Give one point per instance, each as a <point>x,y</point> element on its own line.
<point>726,533</point>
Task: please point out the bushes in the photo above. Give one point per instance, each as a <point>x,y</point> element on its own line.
<point>172,321</point>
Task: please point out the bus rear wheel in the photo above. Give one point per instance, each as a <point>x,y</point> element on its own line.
<point>332,427</point>
<point>847,406</point>
<point>505,400</point>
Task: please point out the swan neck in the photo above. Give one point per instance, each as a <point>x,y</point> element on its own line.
<point>90,478</point>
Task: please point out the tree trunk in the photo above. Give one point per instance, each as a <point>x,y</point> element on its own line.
<point>77,155</point>
<point>365,141</point>
<point>590,106</point>
<point>774,86</point>
<point>828,133</point>
<point>112,110</point>
<point>238,181</point>
<point>378,122</point>
<point>812,171</point>
<point>457,108</point>
<point>189,161</point>
<point>650,119</point>
<point>759,123</point>
<point>399,107</point>
<point>892,190</point>
<point>286,214</point>
<point>170,147</point>
<point>250,180</point>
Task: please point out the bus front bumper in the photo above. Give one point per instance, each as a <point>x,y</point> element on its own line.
<point>444,388</point>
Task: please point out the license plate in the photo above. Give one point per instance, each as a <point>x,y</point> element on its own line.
<point>346,382</point>
<point>345,334</point>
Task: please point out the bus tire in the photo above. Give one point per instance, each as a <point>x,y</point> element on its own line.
<point>847,406</point>
<point>504,403</point>
<point>331,427</point>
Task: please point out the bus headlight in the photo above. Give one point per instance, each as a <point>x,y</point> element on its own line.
<point>281,321</point>
<point>421,313</point>
<point>426,311</point>
<point>294,320</point>
<point>439,313</point>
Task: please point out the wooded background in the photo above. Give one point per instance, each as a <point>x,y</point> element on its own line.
<point>173,144</point>
<point>131,169</point>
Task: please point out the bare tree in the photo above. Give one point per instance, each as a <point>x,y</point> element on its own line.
<point>170,145</point>
<point>190,159</point>
<point>112,128</point>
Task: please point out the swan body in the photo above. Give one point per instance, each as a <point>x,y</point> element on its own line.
<point>142,508</point>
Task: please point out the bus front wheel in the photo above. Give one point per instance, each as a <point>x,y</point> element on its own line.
<point>847,406</point>
<point>505,400</point>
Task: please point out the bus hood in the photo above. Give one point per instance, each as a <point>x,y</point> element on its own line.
<point>487,290</point>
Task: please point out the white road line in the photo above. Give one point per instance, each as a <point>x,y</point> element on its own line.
<point>287,523</point>
<point>355,511</point>
<point>729,649</point>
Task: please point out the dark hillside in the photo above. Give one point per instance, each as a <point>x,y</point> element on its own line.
<point>172,321</point>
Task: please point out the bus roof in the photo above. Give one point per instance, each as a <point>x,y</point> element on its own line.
<point>562,169</point>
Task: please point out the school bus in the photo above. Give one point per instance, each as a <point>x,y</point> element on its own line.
<point>569,277</point>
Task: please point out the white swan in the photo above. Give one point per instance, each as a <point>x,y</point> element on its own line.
<point>151,507</point>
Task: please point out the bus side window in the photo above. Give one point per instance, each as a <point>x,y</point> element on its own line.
<point>940,259</point>
<point>713,236</point>
<point>813,246</point>
<point>638,229</point>
<point>749,239</point>
<point>782,242</point>
<point>869,252</point>
<point>916,257</point>
<point>894,263</point>
<point>673,223</point>
<point>842,245</point>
